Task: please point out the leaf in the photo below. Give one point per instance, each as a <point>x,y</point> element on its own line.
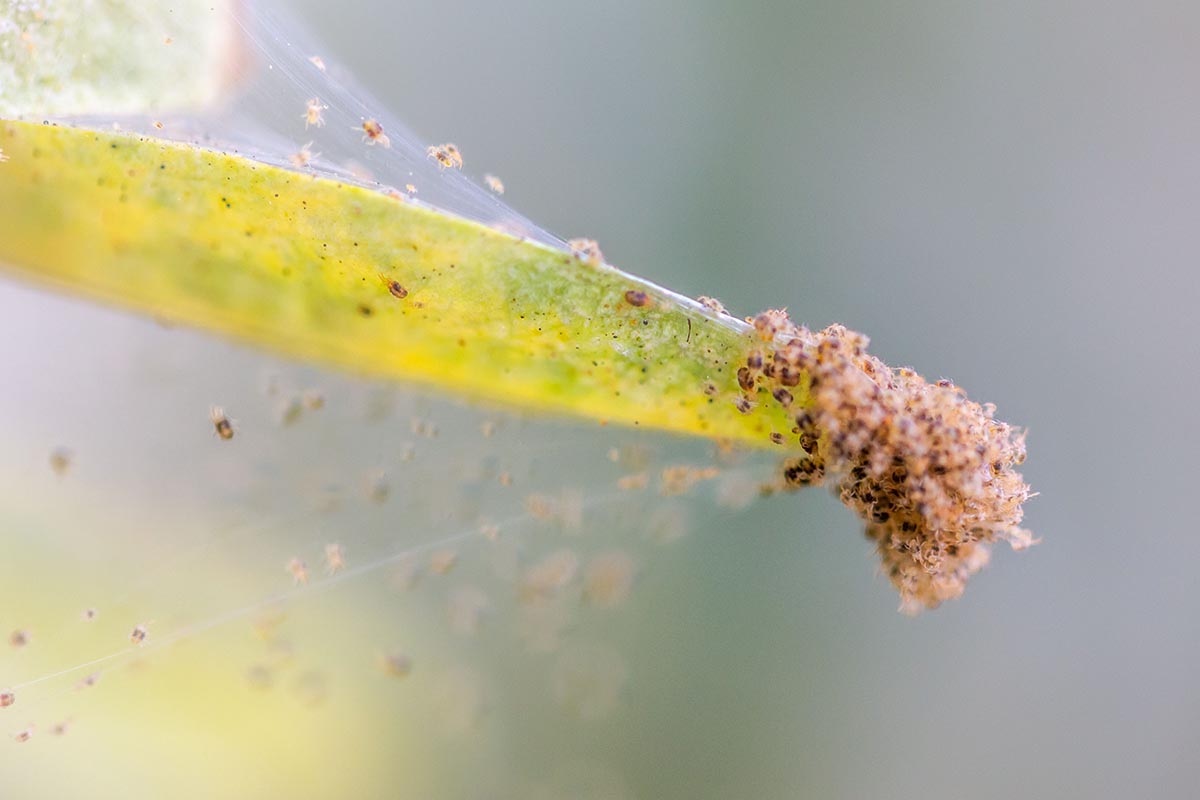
<point>112,56</point>
<point>335,273</point>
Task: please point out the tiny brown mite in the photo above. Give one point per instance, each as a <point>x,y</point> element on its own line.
<point>745,379</point>
<point>394,287</point>
<point>636,298</point>
<point>221,423</point>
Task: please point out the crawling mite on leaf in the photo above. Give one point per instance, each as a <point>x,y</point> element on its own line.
<point>394,287</point>
<point>637,298</point>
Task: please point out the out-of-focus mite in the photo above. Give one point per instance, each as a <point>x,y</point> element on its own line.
<point>335,558</point>
<point>442,561</point>
<point>303,157</point>
<point>60,461</point>
<point>298,570</point>
<point>395,664</point>
<point>494,183</point>
<point>587,251</point>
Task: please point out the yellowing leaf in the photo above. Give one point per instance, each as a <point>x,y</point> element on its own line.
<point>335,273</point>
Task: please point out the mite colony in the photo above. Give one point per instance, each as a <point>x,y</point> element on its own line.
<point>931,472</point>
<point>587,251</point>
<point>446,155</point>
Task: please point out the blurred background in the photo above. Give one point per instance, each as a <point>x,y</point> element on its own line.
<point>1001,194</point>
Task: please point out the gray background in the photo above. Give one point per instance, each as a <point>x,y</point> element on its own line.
<point>1004,194</point>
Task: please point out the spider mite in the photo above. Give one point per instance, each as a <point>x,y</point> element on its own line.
<point>298,570</point>
<point>138,634</point>
<point>222,425</point>
<point>446,155</point>
<point>494,183</point>
<point>60,461</point>
<point>636,298</point>
<point>586,250</point>
<point>373,133</point>
<point>303,157</point>
<point>335,558</point>
<point>314,113</point>
<point>394,287</point>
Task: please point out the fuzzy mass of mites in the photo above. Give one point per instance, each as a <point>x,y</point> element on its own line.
<point>932,472</point>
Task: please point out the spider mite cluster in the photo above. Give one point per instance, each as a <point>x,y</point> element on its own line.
<point>446,155</point>
<point>932,473</point>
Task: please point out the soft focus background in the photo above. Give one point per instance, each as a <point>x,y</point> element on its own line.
<point>1001,194</point>
<point>1004,194</point>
